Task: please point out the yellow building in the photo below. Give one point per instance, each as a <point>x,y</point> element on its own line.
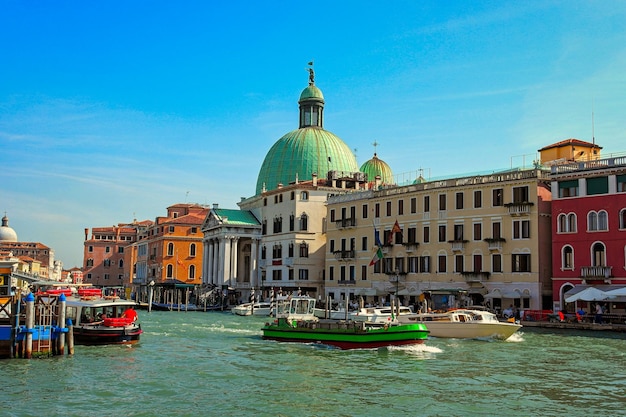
<point>461,241</point>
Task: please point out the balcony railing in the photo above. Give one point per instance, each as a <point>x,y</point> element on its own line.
<point>495,243</point>
<point>345,223</point>
<point>519,209</point>
<point>598,272</point>
<point>457,245</point>
<point>475,276</point>
<point>410,246</point>
<point>342,255</point>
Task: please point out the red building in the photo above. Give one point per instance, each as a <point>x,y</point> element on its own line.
<point>589,230</point>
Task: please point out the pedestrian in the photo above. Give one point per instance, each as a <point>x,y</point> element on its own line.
<point>599,312</point>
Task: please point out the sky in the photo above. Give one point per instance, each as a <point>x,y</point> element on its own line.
<point>112,111</point>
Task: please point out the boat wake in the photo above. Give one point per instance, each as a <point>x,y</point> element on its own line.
<point>422,351</point>
<point>516,337</point>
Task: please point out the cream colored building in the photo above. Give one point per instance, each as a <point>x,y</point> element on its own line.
<point>473,240</point>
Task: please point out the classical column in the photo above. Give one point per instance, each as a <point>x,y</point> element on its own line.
<point>254,280</point>
<point>233,264</point>
<point>226,250</point>
<point>208,276</point>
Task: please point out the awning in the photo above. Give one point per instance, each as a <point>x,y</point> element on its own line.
<point>409,291</point>
<point>365,291</point>
<point>497,293</point>
<point>604,288</point>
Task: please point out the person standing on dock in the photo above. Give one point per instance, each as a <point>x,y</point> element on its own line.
<point>598,314</point>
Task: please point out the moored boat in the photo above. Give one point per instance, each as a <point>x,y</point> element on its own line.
<point>99,320</point>
<point>260,308</point>
<point>464,324</point>
<point>295,322</point>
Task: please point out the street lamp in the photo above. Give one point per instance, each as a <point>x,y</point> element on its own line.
<point>151,285</point>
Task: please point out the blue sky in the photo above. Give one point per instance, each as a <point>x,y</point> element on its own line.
<point>112,111</point>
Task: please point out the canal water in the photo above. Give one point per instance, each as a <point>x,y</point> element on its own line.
<point>216,364</point>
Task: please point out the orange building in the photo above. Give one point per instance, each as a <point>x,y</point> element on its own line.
<point>171,248</point>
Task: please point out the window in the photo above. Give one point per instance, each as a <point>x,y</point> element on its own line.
<point>89,262</point>
<point>192,271</point>
<point>120,249</point>
<point>304,221</point>
<point>304,195</point>
<point>566,223</point>
<point>278,224</point>
<point>413,264</point>
<point>90,248</point>
<point>194,230</point>
<point>599,185</point>
<point>424,264</point>
<point>568,188</point>
<point>426,203</point>
<point>303,274</point>
<point>598,257</point>
<point>192,249</point>
<point>520,262</point>
<point>520,194</point>
<point>496,230</point>
<point>365,211</point>
<point>567,258</point>
<point>496,262</point>
<point>442,232</point>
<point>263,252</point>
<point>621,183</point>
<point>478,231</point>
<point>442,202</point>
<point>521,229</point>
<point>290,250</point>
<point>477,262</point>
<point>169,271</point>
<point>170,249</point>
<point>277,251</point>
<point>332,215</point>
<point>458,263</point>
<point>622,219</point>
<point>292,222</point>
<point>426,234</point>
<point>363,272</point>
<point>332,245</point>
<point>331,273</point>
<point>412,235</point>
<point>364,243</point>
<point>458,232</point>
<point>459,201</point>
<point>597,221</point>
<point>171,229</point>
<point>478,199</point>
<point>413,205</point>
<point>264,227</point>
<point>304,250</point>
<point>497,198</point>
<point>292,196</point>
<point>107,249</point>
<point>442,263</point>
<point>277,275</point>
<point>388,206</point>
<point>400,207</point>
<point>377,210</point>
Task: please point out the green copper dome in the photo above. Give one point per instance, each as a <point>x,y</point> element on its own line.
<point>376,166</point>
<point>305,151</point>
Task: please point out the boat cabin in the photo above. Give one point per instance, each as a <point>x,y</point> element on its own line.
<point>296,308</point>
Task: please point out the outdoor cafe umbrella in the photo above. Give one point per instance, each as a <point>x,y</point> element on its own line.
<point>589,294</point>
<point>618,292</point>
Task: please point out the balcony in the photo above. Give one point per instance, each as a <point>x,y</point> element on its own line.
<point>458,245</point>
<point>345,223</point>
<point>495,244</point>
<point>410,246</point>
<point>344,255</point>
<point>519,208</point>
<point>475,276</point>
<point>590,273</point>
<point>346,282</point>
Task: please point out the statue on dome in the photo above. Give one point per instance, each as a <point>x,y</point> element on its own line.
<point>311,74</point>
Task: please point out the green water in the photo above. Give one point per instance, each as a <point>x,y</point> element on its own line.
<point>216,364</point>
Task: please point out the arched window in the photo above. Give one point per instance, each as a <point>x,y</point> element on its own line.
<point>121,263</point>
<point>571,223</point>
<point>192,272</point>
<point>170,249</point>
<point>192,249</point>
<point>603,223</point>
<point>592,221</point>
<point>562,223</point>
<point>567,258</point>
<point>304,222</point>
<point>622,219</point>
<point>304,250</point>
<point>598,254</point>
<point>170,271</point>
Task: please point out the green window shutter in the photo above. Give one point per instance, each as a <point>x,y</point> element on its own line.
<point>598,185</point>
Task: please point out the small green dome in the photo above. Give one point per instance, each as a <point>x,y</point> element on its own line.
<point>302,153</point>
<point>377,166</point>
<point>311,92</point>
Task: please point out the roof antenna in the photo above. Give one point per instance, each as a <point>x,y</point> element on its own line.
<point>593,129</point>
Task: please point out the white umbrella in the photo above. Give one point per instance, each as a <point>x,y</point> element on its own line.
<point>618,292</point>
<point>589,294</point>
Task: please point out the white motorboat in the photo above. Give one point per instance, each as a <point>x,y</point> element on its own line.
<point>464,324</point>
<point>260,308</point>
<point>381,314</point>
